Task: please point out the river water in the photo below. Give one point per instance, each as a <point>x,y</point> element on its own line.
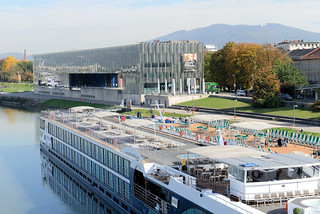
<point>27,184</point>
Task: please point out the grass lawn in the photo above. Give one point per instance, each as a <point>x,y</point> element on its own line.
<point>69,104</point>
<point>146,113</point>
<point>16,87</point>
<point>294,130</point>
<point>228,104</point>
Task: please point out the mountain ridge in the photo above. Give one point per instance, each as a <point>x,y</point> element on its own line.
<point>219,34</point>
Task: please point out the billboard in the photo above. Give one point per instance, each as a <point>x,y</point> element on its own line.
<point>190,62</point>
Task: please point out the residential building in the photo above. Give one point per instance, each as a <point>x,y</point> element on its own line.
<point>289,45</point>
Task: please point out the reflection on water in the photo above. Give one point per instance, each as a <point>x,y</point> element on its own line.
<point>10,114</point>
<point>71,189</point>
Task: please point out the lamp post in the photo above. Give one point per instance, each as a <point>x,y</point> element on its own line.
<point>234,111</point>
<point>234,83</point>
<point>294,118</point>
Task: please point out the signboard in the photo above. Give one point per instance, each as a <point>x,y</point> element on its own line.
<point>174,202</point>
<point>190,62</point>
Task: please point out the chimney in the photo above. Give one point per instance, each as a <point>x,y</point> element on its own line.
<point>25,54</point>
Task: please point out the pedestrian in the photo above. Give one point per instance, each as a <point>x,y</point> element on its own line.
<point>279,141</point>
<point>285,142</point>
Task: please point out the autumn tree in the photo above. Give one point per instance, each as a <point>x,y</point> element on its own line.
<point>8,63</point>
<point>267,89</point>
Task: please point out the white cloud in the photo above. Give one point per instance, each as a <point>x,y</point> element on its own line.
<point>66,25</point>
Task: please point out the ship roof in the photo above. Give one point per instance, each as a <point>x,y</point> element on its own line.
<point>220,152</point>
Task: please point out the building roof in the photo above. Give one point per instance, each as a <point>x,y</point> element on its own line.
<point>271,161</point>
<point>314,54</point>
<point>298,54</point>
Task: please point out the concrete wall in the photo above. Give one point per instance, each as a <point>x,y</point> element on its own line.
<point>169,100</point>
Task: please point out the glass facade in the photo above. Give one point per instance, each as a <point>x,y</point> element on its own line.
<point>78,150</point>
<point>138,67</point>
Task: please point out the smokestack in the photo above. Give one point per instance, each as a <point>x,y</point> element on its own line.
<point>25,54</point>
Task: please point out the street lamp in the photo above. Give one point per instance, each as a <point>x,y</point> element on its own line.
<point>294,118</point>
<point>234,111</point>
<point>234,83</point>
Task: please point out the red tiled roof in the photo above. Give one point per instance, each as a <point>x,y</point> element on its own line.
<point>315,54</point>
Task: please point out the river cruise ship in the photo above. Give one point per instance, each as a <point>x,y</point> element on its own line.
<point>128,163</point>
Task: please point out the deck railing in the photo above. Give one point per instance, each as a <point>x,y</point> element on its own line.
<point>153,201</point>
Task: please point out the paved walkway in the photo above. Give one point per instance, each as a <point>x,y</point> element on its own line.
<point>308,128</point>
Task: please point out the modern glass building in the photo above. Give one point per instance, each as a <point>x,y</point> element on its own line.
<point>123,72</point>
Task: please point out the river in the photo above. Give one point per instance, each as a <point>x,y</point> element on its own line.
<point>27,184</point>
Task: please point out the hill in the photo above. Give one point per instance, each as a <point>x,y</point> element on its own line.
<point>16,55</point>
<point>219,34</point>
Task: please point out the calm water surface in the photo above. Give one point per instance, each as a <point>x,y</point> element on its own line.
<point>25,184</point>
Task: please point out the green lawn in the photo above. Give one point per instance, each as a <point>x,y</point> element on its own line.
<point>228,104</point>
<point>69,104</point>
<point>146,113</point>
<point>16,87</point>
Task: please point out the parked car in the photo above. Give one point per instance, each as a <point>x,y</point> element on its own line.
<point>298,97</point>
<point>241,93</point>
<point>286,97</point>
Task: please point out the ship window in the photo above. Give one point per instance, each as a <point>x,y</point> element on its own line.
<point>118,160</point>
<point>118,184</point>
<point>126,168</point>
<point>110,180</point>
<point>126,190</point>
<point>110,159</point>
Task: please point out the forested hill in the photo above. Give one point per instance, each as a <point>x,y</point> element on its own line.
<point>219,34</point>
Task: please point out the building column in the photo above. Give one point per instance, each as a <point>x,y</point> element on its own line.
<point>188,84</point>
<point>173,86</point>
<point>165,85</point>
<point>158,86</point>
<point>180,86</point>
<point>203,86</point>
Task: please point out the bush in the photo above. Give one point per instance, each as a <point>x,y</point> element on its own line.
<point>268,102</point>
<point>315,107</point>
<point>297,210</point>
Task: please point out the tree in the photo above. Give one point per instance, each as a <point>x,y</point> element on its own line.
<point>288,73</point>
<point>266,86</point>
<point>217,70</point>
<point>8,63</point>
<point>25,66</point>
<point>27,77</point>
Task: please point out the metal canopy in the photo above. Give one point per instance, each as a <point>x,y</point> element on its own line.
<point>106,114</point>
<point>254,125</point>
<point>139,122</point>
<point>209,117</point>
<point>237,155</point>
<point>218,152</point>
<point>272,161</point>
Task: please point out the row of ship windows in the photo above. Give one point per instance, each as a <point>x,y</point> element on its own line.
<point>105,157</point>
<point>95,170</point>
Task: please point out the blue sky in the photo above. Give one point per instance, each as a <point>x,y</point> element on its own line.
<point>42,26</point>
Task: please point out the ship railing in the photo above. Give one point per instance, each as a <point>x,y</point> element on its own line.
<point>153,201</point>
<point>227,202</point>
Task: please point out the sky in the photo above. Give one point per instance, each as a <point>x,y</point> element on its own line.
<point>43,26</point>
